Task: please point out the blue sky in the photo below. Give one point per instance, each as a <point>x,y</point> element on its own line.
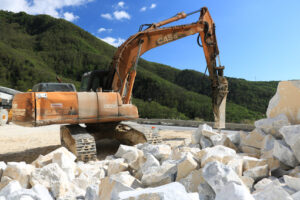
<point>258,39</point>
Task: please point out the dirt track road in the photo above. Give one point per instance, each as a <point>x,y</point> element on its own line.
<point>19,143</point>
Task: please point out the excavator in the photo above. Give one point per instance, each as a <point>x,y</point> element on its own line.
<point>104,102</point>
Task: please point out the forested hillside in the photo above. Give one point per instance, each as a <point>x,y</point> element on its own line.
<point>35,49</point>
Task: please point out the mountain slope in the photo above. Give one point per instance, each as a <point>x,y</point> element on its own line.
<point>35,49</point>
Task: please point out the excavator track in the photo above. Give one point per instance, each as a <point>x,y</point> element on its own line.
<point>79,142</point>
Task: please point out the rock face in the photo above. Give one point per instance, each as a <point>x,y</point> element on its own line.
<point>286,101</point>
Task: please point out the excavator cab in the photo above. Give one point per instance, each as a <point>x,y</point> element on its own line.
<point>94,81</point>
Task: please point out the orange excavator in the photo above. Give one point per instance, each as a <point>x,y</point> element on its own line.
<point>105,97</point>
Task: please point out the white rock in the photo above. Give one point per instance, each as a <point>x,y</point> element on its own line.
<point>194,182</point>
<point>45,160</point>
<point>251,162</point>
<point>205,142</point>
<point>10,188</point>
<point>23,194</point>
<point>268,143</point>
<point>248,181</point>
<point>4,181</point>
<point>132,155</point>
<point>216,153</point>
<point>151,162</point>
<point>53,178</point>
<point>272,125</point>
<point>257,173</point>
<point>187,165</point>
<point>66,164</point>
<point>236,164</point>
<point>222,139</point>
<point>217,175</point>
<point>291,135</point>
<point>198,133</point>
<point>174,191</point>
<point>296,196</point>
<point>253,139</point>
<point>88,174</point>
<point>19,171</point>
<point>110,187</point>
<point>159,151</point>
<point>260,185</point>
<point>284,154</point>
<point>292,182</point>
<point>271,192</point>
<point>42,192</point>
<point>234,137</point>
<point>234,191</point>
<point>116,166</point>
<point>92,192</point>
<point>161,175</point>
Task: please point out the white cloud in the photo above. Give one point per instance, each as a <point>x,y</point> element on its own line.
<point>113,41</point>
<point>144,8</point>
<point>70,16</point>
<point>119,15</point>
<point>49,7</point>
<point>121,4</point>
<point>100,30</point>
<point>107,16</point>
<point>153,6</point>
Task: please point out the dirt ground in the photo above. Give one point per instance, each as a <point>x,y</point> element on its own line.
<point>19,143</point>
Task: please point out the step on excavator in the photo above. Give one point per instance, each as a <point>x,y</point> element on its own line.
<point>104,103</point>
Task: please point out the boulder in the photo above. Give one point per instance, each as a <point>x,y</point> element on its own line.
<point>116,166</point>
<point>205,142</point>
<point>42,192</point>
<point>88,174</point>
<point>221,179</point>
<point>236,164</point>
<point>272,125</point>
<point>19,171</point>
<point>53,178</point>
<point>10,188</point>
<point>159,151</point>
<point>271,192</point>
<point>132,155</point>
<point>234,136</point>
<point>187,165</point>
<point>291,135</point>
<point>248,181</point>
<point>260,185</point>
<point>111,186</point>
<point>251,151</point>
<point>164,174</point>
<point>234,191</point>
<point>296,196</point>
<point>47,159</point>
<point>195,182</point>
<point>216,153</point>
<point>268,143</point>
<point>252,139</point>
<point>257,173</point>
<point>217,175</point>
<point>286,101</point>
<point>4,181</point>
<point>92,192</point>
<point>195,139</point>
<point>66,163</point>
<point>251,162</point>
<point>151,162</point>
<point>292,182</point>
<point>284,154</point>
<point>222,139</point>
<point>25,194</point>
<point>174,191</point>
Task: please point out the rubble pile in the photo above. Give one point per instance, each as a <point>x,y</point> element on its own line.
<point>261,165</point>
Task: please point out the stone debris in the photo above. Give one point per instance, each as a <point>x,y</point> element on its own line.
<point>213,165</point>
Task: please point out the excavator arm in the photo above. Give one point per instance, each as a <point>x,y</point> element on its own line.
<point>124,65</point>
